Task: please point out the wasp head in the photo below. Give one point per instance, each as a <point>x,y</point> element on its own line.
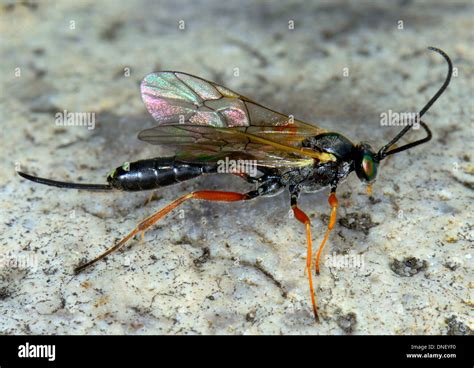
<point>366,163</point>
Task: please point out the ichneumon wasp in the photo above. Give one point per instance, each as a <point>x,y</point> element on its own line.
<point>205,123</point>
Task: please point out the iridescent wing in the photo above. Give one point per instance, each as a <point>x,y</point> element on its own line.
<point>199,117</point>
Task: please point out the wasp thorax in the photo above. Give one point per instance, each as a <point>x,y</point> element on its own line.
<point>366,163</point>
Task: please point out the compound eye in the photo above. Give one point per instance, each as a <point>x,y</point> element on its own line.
<point>370,167</point>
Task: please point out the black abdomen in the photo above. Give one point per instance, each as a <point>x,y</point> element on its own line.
<point>154,173</point>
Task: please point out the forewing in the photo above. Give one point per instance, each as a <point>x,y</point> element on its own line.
<point>195,114</point>
<point>178,98</point>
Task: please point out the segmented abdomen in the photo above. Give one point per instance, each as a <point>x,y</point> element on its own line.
<point>155,173</point>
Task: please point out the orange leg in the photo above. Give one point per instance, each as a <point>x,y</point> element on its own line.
<point>149,221</point>
<point>333,202</point>
<point>304,219</point>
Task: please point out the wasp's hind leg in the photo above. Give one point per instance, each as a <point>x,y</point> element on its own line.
<point>208,195</point>
<point>333,202</point>
<point>149,221</point>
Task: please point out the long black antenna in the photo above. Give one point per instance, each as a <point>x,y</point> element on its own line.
<point>62,184</point>
<point>383,151</point>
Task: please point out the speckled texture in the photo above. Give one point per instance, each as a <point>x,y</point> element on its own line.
<point>235,268</point>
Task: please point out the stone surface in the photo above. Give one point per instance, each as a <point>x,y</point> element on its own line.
<point>234,268</point>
